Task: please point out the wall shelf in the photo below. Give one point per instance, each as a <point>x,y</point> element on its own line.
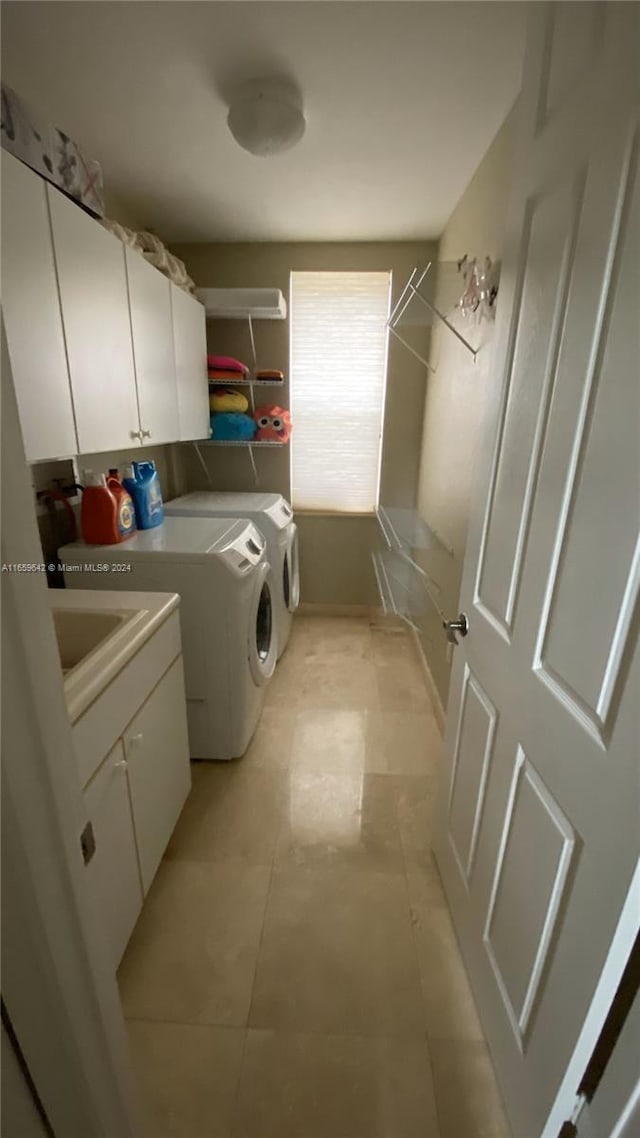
<point>414,291</point>
<point>405,530</point>
<point>243,303</point>
<point>239,443</point>
<point>246,383</point>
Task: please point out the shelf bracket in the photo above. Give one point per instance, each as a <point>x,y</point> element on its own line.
<point>253,466</point>
<point>441,316</point>
<point>203,463</point>
<point>411,290</point>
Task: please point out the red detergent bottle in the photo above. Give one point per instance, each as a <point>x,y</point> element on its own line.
<point>126,512</point>
<point>99,512</point>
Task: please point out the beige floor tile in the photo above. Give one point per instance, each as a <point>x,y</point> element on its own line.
<point>193,952</point>
<point>340,821</point>
<point>469,1104</point>
<point>233,813</point>
<point>328,1086</point>
<point>337,956</point>
<point>416,803</point>
<point>392,643</point>
<point>450,1007</point>
<point>329,740</point>
<point>401,686</point>
<point>270,748</point>
<point>347,636</point>
<point>337,681</point>
<point>186,1078</point>
<point>403,742</point>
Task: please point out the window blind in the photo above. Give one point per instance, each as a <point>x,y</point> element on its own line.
<point>338,380</point>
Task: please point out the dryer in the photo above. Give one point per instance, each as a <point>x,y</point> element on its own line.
<point>273,516</point>
<point>219,566</point>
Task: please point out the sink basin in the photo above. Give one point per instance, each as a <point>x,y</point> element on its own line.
<point>99,631</point>
<point>81,632</point>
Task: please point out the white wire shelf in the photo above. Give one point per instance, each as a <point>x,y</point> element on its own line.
<point>246,382</point>
<point>402,589</point>
<point>405,530</point>
<point>239,443</point>
<point>404,310</point>
<point>243,303</point>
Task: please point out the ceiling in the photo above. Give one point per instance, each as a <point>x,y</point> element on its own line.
<point>402,100</point>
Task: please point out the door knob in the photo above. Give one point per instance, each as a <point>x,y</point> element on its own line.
<point>452,627</point>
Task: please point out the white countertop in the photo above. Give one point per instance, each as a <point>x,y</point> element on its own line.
<point>144,613</point>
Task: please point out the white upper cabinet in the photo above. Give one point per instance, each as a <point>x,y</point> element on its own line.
<point>190,340</point>
<point>151,327</point>
<point>95,310</point>
<point>32,316</point>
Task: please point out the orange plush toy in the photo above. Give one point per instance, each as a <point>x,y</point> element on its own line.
<point>274,424</point>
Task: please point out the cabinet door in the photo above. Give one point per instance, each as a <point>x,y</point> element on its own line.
<point>113,871</point>
<point>95,312</point>
<point>33,321</point>
<point>157,752</point>
<point>151,327</point>
<point>190,339</point>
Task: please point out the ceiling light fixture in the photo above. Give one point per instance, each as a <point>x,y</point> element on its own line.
<point>265,117</point>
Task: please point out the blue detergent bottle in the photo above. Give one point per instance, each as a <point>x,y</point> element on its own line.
<point>142,482</point>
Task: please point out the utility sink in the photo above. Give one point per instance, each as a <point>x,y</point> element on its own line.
<point>81,632</point>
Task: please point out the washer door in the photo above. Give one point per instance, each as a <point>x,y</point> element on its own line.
<point>263,646</point>
<point>291,571</point>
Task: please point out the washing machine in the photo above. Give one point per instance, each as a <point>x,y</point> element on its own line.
<point>273,516</point>
<point>220,568</point>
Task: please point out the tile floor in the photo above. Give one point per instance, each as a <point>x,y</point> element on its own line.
<point>294,973</point>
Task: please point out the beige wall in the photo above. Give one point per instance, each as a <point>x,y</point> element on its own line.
<point>335,550</point>
<point>456,394</point>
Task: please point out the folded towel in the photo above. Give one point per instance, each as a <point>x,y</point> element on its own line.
<point>227,363</point>
<point>221,375</point>
<point>270,373</point>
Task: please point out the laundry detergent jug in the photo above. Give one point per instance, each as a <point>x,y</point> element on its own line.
<point>141,480</point>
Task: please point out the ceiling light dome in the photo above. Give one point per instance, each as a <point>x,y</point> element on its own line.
<point>265,117</point>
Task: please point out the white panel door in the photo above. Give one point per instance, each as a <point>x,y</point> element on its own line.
<point>113,872</point>
<point>190,339</point>
<point>157,751</point>
<point>538,822</point>
<point>95,312</point>
<point>33,320</point>
<point>151,327</point>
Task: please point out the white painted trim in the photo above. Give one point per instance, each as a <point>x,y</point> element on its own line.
<point>58,987</point>
<point>617,957</point>
<point>434,694</point>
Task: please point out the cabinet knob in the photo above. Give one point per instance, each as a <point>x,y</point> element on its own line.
<point>136,740</point>
<point>120,765</point>
<point>145,434</point>
<point>136,434</point>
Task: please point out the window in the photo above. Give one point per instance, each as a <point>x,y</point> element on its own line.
<point>338,380</point>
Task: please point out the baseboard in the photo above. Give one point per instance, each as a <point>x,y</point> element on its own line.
<point>438,709</point>
<point>307,609</point>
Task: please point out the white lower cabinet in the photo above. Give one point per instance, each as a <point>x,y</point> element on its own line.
<point>113,871</point>
<point>134,796</point>
<point>157,755</point>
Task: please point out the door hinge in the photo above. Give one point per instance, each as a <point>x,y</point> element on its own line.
<point>88,843</point>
